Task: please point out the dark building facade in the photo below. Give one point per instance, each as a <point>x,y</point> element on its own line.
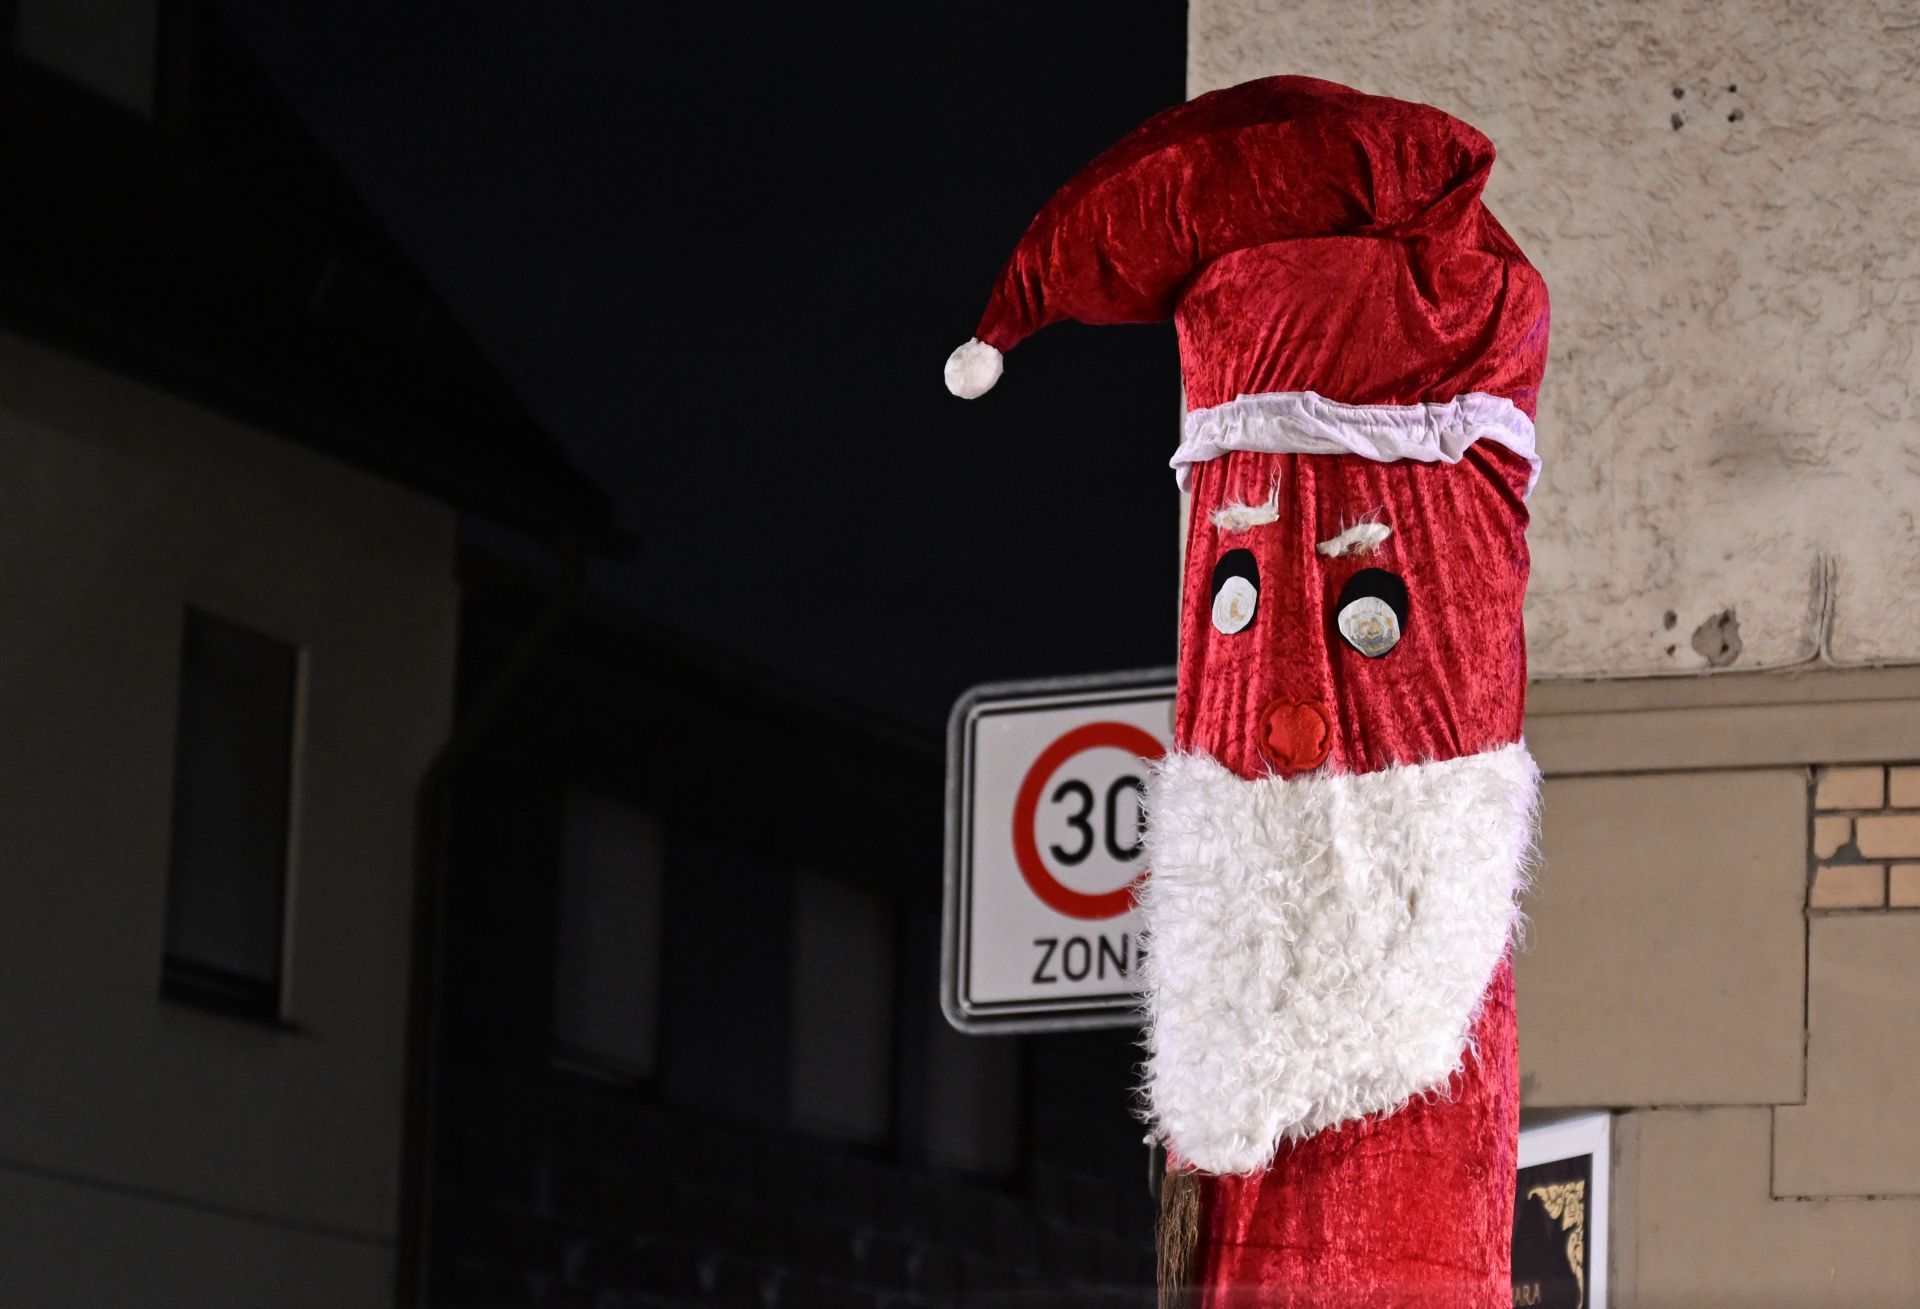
<point>240,437</point>
<point>690,1049</point>
<point>167,216</point>
<point>674,1033</point>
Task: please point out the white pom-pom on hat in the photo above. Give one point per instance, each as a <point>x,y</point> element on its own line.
<point>973,369</point>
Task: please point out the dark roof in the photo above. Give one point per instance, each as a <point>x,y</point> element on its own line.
<point>218,253</point>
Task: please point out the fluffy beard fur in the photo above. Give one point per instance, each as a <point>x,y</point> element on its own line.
<point>1318,947</point>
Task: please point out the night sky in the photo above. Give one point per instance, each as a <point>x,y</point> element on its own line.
<point>722,250</point>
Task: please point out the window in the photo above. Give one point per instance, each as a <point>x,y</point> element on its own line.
<point>607,967</point>
<point>973,1100</point>
<point>839,1053</point>
<point>232,818</point>
<point>723,1023</point>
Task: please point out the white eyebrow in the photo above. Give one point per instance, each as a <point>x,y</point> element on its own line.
<point>1236,517</point>
<point>1356,540</point>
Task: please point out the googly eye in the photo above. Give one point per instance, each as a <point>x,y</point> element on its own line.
<point>1236,591</point>
<point>1234,604</point>
<point>1370,626</point>
<point>1372,612</point>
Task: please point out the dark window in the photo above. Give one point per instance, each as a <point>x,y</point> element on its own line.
<point>723,1020</point>
<point>839,1052</point>
<point>232,807</point>
<point>973,1100</point>
<point>607,960</point>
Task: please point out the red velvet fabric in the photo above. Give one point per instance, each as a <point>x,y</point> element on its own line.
<point>1456,682</point>
<point>1366,320</point>
<point>1306,236</point>
<point>1413,1210</point>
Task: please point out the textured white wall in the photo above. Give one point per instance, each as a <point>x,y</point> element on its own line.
<point>1733,392</point>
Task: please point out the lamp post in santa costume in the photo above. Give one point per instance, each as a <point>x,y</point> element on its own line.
<point>1338,836</point>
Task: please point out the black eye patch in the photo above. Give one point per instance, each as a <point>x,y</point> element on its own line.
<point>1236,591</point>
<point>1372,611</point>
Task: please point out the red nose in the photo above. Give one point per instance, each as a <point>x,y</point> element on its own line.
<point>1295,735</point>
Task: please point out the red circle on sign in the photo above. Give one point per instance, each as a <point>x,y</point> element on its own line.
<point>1026,810</point>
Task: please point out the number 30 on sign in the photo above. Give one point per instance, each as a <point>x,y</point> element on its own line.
<point>1044,786</point>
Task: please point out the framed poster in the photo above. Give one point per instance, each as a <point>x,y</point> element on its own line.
<point>1560,1200</point>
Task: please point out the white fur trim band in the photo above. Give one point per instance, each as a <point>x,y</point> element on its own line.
<point>1317,947</point>
<point>1302,422</point>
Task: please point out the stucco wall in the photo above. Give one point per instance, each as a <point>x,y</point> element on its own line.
<point>263,1161</point>
<point>1733,391</point>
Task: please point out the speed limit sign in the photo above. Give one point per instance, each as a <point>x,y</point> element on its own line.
<point>1044,788</point>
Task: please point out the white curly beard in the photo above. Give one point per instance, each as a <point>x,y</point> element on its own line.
<point>1317,947</point>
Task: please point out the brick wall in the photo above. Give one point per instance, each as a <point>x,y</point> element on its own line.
<point>1866,839</point>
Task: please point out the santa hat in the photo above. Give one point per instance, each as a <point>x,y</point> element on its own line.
<point>1337,283</point>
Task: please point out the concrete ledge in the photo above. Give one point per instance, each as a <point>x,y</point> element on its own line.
<point>1749,720</point>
